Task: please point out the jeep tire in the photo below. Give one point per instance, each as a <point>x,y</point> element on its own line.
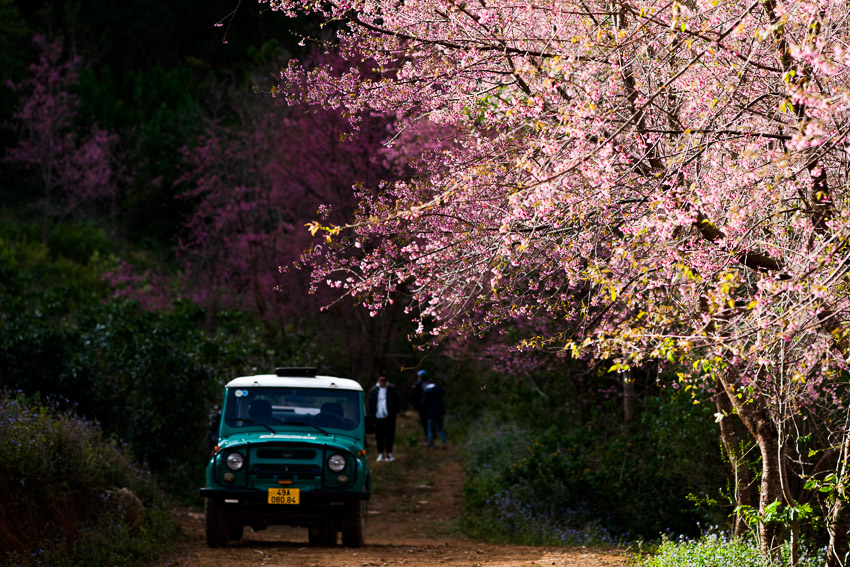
<point>353,524</point>
<point>215,523</point>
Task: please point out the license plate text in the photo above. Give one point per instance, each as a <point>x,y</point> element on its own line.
<point>284,496</point>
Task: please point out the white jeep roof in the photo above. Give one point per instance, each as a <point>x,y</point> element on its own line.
<point>272,381</point>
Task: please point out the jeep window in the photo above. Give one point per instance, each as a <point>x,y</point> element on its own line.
<point>268,407</point>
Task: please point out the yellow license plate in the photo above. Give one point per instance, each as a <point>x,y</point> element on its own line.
<point>284,496</point>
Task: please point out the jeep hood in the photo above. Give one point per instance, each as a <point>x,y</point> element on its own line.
<point>311,437</point>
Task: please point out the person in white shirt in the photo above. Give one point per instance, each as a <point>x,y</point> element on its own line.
<point>384,403</point>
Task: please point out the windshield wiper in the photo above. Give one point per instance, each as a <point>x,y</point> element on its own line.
<point>251,421</point>
<point>307,425</point>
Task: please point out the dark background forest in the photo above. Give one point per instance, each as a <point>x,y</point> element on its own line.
<point>152,215</point>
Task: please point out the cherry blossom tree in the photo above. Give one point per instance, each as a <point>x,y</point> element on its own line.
<point>75,168</point>
<point>666,180</point>
<point>254,182</point>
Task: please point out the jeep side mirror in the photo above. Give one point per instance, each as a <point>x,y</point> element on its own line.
<point>214,421</point>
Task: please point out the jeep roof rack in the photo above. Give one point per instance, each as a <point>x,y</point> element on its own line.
<point>301,372</point>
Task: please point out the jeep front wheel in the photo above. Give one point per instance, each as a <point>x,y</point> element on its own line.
<point>353,523</point>
<point>215,523</point>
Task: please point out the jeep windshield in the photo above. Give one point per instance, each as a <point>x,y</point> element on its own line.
<point>269,407</point>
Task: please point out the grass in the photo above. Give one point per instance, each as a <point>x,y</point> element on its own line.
<point>407,472</point>
<point>713,550</point>
<point>513,494</point>
<point>401,485</point>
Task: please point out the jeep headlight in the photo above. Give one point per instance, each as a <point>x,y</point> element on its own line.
<point>336,462</point>
<point>234,461</point>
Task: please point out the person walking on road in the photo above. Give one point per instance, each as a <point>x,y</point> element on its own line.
<point>434,407</point>
<point>384,403</point>
<point>416,400</point>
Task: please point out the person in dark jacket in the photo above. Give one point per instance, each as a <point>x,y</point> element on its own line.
<point>384,403</point>
<point>434,407</point>
<point>416,400</point>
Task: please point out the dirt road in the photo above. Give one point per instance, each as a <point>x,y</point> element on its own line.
<point>412,521</point>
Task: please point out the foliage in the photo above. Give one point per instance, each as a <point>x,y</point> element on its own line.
<point>137,35</point>
<point>148,75</point>
<point>185,125</point>
<point>69,263</point>
<point>158,111</point>
<point>255,181</point>
<point>663,182</point>
<point>131,369</point>
<point>74,168</point>
<point>91,311</point>
<point>14,34</point>
<point>717,551</point>
<point>504,497</point>
<point>57,472</point>
<point>590,480</point>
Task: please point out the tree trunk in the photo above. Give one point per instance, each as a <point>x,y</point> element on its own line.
<point>838,523</point>
<point>838,526</point>
<point>754,415</point>
<point>733,445</point>
<point>771,488</point>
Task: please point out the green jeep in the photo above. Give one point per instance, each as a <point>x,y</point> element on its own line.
<point>289,449</point>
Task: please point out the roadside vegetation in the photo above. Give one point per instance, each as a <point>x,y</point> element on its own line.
<point>147,377</point>
<point>71,496</point>
<point>716,550</point>
<point>555,465</point>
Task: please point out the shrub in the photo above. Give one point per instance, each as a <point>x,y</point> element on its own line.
<point>517,490</point>
<point>714,550</point>
<point>533,482</point>
<point>58,480</point>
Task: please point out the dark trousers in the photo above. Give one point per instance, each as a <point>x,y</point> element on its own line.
<point>385,434</point>
<point>435,427</point>
<point>423,420</point>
